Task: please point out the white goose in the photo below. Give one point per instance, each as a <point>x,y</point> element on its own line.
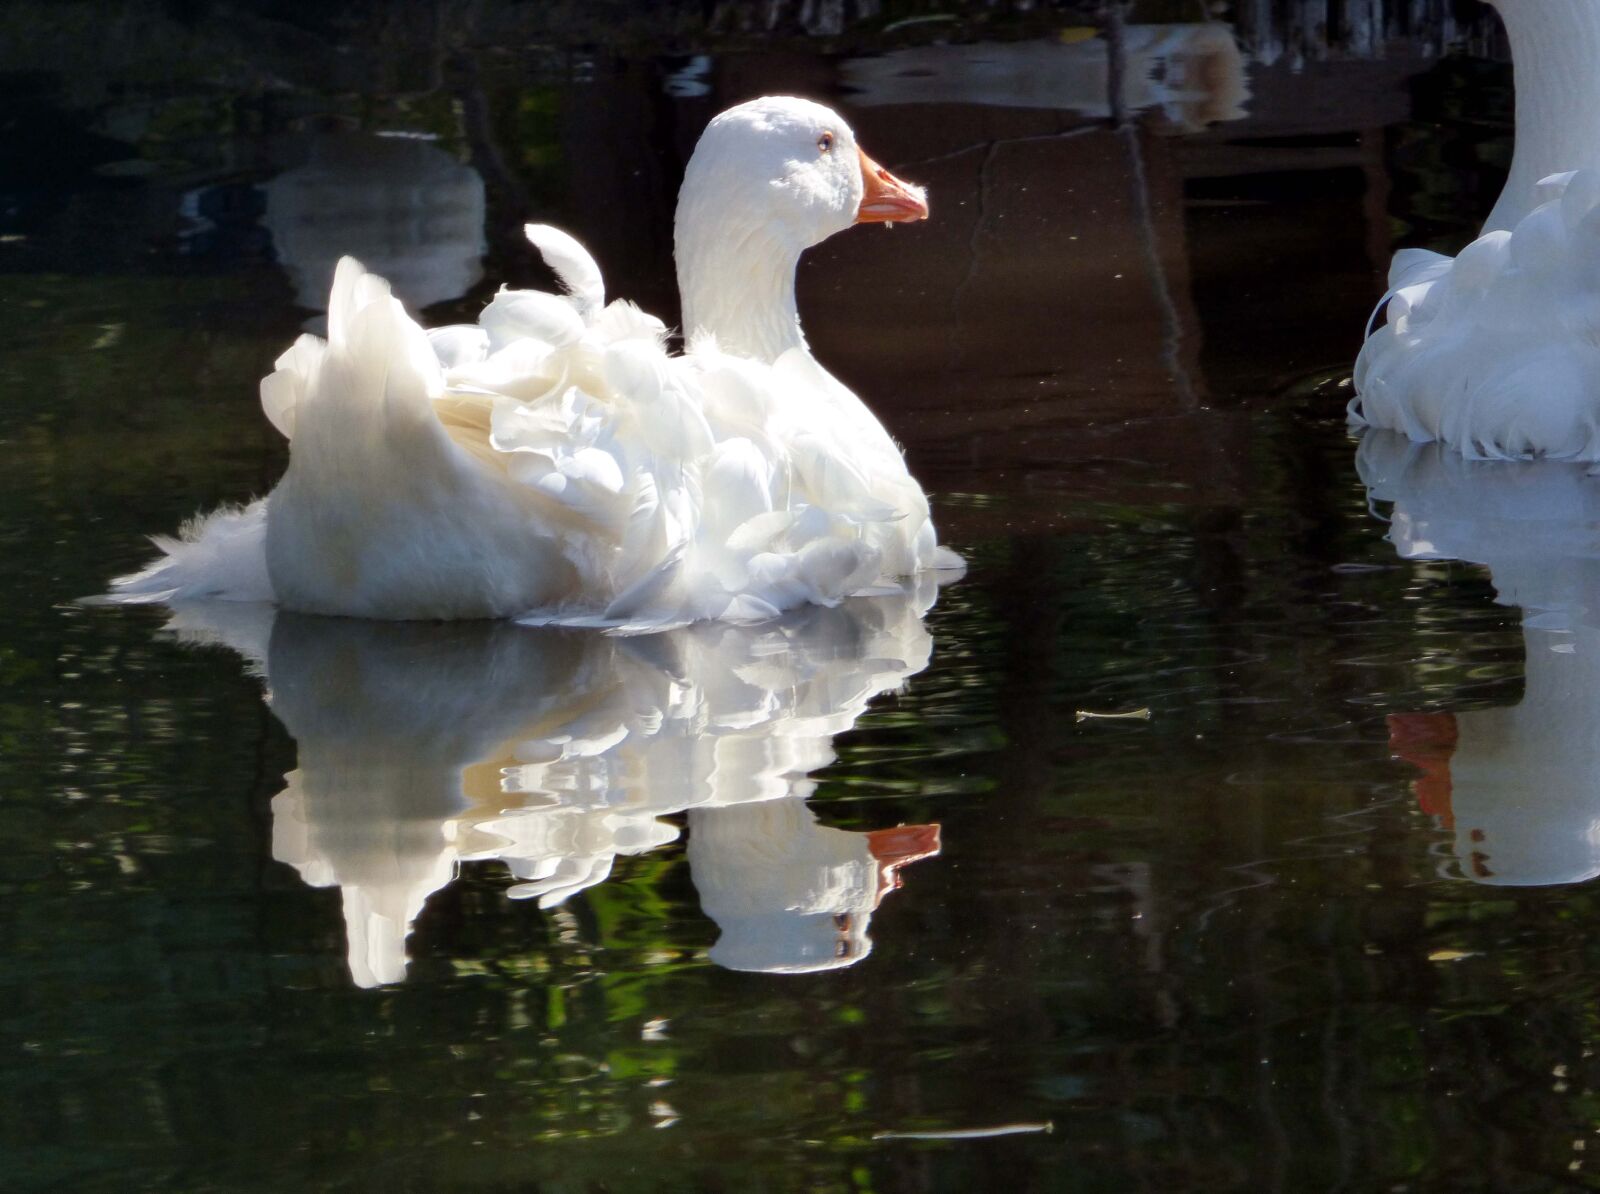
<point>1497,351</point>
<point>555,463</point>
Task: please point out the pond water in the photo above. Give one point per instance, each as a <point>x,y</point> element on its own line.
<point>1229,826</point>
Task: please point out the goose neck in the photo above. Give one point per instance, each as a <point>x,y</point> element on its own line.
<point>1555,45</point>
<point>737,284</point>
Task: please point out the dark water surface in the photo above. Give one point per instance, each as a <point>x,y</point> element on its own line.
<point>1317,916</point>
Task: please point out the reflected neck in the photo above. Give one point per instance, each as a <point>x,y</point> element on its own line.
<point>737,283</point>
<point>1555,55</point>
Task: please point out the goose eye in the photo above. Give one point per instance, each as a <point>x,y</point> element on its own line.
<point>825,143</point>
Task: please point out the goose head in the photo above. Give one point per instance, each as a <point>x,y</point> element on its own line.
<point>769,179</point>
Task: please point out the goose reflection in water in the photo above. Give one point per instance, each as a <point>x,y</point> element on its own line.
<point>1193,74</point>
<point>1520,786</point>
<point>402,205</point>
<point>422,746</point>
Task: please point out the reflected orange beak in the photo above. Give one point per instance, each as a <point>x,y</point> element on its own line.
<point>887,199</point>
<point>1426,741</point>
<point>898,847</point>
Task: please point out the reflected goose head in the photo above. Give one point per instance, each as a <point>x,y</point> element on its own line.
<point>789,894</point>
<point>767,180</point>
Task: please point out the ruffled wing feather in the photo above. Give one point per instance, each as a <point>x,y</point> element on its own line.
<point>1497,352</point>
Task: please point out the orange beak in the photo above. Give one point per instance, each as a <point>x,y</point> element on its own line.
<point>887,199</point>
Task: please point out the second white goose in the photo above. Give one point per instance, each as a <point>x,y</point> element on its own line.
<point>1496,351</point>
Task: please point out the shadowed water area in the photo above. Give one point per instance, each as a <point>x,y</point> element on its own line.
<point>1229,826</point>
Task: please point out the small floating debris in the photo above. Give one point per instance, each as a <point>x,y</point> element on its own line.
<point>664,1113</point>
<point>1131,715</point>
<point>969,1133</point>
<point>1451,955</point>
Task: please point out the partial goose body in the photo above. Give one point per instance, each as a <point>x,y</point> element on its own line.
<point>1496,352</point>
<point>554,462</point>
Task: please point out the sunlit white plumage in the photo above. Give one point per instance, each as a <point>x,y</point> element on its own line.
<point>554,462</point>
<point>1496,352</point>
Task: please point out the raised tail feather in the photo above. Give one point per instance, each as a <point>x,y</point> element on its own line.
<point>572,264</point>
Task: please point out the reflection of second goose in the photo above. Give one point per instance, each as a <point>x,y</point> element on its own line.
<point>1519,786</point>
